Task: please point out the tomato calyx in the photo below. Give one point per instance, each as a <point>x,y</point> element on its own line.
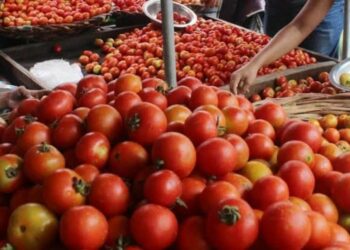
<point>159,164</point>
<point>7,246</point>
<point>229,215</point>
<point>54,124</point>
<point>179,202</point>
<point>160,89</point>
<point>44,147</point>
<point>120,244</point>
<point>134,122</point>
<point>19,131</point>
<point>29,119</point>
<point>80,186</point>
<point>11,172</point>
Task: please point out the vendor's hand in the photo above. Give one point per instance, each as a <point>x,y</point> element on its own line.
<point>243,78</point>
<point>21,93</point>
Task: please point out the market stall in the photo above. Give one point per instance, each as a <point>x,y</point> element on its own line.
<point>148,149</point>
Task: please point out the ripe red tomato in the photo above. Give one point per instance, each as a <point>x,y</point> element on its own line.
<point>226,99</point>
<point>260,146</point>
<point>332,135</point>
<point>295,150</point>
<point>268,190</point>
<point>67,131</point>
<point>93,148</point>
<point>64,189</point>
<point>163,188</point>
<point>91,82</point>
<point>127,159</point>
<point>145,122</point>
<point>342,163</point>
<point>127,82</point>
<point>153,226</point>
<point>320,231</point>
<point>321,166</point>
<point>241,148</point>
<point>190,82</point>
<point>216,193</point>
<point>92,98</point>
<point>109,194</point>
<point>87,171</point>
<point>33,134</point>
<point>86,221</point>
<point>216,157</point>
<point>299,178</point>
<point>236,120</point>
<point>155,83</point>
<point>203,95</point>
<point>262,127</point>
<point>200,126</point>
<point>285,226</point>
<point>153,96</point>
<point>232,225</point>
<point>118,226</point>
<point>177,113</point>
<point>179,95</point>
<point>339,234</point>
<point>240,182</point>
<point>125,101</point>
<point>28,107</point>
<point>341,192</point>
<point>271,112</point>
<point>244,103</point>
<point>68,86</point>
<point>81,112</point>
<point>42,160</point>
<point>54,106</point>
<point>169,144</point>
<point>11,173</point>
<point>105,119</point>
<point>305,132</point>
<point>330,150</point>
<point>191,235</point>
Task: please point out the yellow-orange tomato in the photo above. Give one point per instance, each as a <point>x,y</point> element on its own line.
<point>330,150</point>
<point>177,113</point>
<point>332,135</point>
<point>255,170</point>
<point>329,121</point>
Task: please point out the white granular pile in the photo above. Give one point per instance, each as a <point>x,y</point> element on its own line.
<point>51,73</point>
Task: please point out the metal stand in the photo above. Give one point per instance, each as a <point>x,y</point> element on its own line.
<point>168,41</point>
<point>346,35</point>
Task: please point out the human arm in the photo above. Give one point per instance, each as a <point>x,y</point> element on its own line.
<point>284,41</point>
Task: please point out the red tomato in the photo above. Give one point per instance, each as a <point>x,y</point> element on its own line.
<point>92,98</point>
<point>342,163</point>
<point>118,226</point>
<point>169,144</point>
<point>5,148</point>
<point>339,234</point>
<point>244,103</point>
<point>33,134</point>
<point>190,82</point>
<point>163,188</point>
<point>67,131</point>
<point>262,127</point>
<point>42,160</point>
<point>127,159</point>
<point>241,148</point>
<point>179,95</point>
<point>177,113</point>
<point>295,150</point>
<point>109,194</point>
<point>153,226</point>
<point>326,182</point>
<point>153,96</point>
<point>216,193</point>
<point>125,101</point>
<point>232,225</point>
<point>271,112</point>
<point>90,82</point>
<point>236,120</point>
<point>321,166</point>
<point>320,231</point>
<point>28,107</point>
<point>87,171</point>
<point>145,122</point>
<point>341,192</point>
<point>226,99</point>
<point>191,235</point>
<point>305,132</point>
<point>64,189</point>
<point>200,126</point>
<point>155,83</point>
<point>203,95</point>
<point>11,173</point>
<point>16,127</point>
<point>93,148</point>
<point>240,182</point>
<point>216,157</point>
<point>54,106</point>
<point>332,135</point>
<point>268,190</point>
<point>285,226</point>
<point>69,86</point>
<point>127,82</point>
<point>81,112</point>
<point>106,120</point>
<point>330,150</point>
<point>83,227</point>
<point>192,187</point>
<point>218,116</point>
<point>260,146</point>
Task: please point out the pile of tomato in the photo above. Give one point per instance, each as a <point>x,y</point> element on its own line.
<point>130,6</point>
<point>135,165</point>
<point>285,88</point>
<point>209,50</point>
